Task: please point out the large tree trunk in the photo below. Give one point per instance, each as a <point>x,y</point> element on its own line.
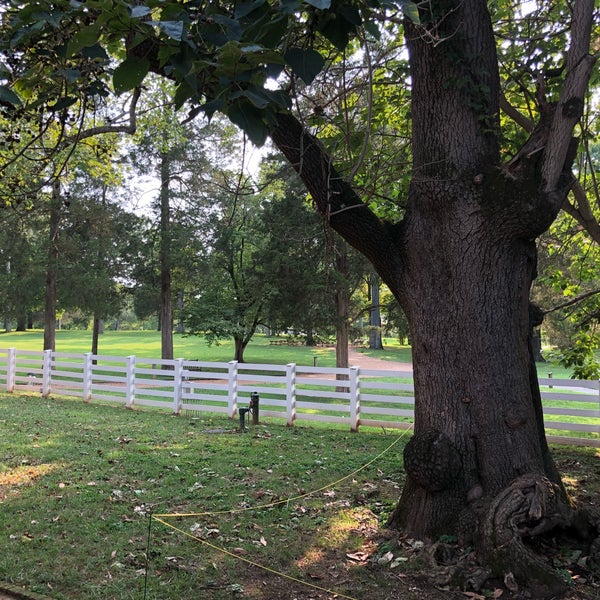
<point>461,266</point>
<point>52,270</point>
<point>466,296</point>
<point>166,304</point>
<point>375,340</point>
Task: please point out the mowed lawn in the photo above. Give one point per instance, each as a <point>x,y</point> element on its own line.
<point>260,350</point>
<point>98,501</point>
<point>102,502</point>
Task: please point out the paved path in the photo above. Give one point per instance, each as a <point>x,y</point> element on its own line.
<point>14,592</point>
<point>357,359</point>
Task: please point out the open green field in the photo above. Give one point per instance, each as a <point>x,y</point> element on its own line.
<point>260,350</point>
<point>100,502</point>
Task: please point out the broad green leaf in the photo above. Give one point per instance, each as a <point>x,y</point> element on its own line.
<point>373,29</point>
<point>245,8</point>
<point>307,64</point>
<point>256,98</point>
<point>63,103</point>
<point>174,29</point>
<point>129,74</point>
<point>250,120</point>
<point>85,37</point>
<point>210,108</point>
<point>183,93</point>
<point>337,30</point>
<point>229,56</point>
<point>7,96</point>
<point>411,10</point>
<point>350,14</point>
<point>279,98</point>
<point>95,51</point>
<point>322,4</point>
<point>138,12</point>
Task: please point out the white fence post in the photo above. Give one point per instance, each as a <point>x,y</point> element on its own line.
<point>290,393</point>
<point>87,377</point>
<point>354,398</point>
<point>129,381</point>
<point>232,378</point>
<point>177,386</point>
<point>11,369</point>
<point>47,373</point>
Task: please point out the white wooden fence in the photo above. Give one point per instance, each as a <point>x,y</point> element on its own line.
<point>354,396</point>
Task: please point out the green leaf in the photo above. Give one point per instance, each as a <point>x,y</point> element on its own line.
<point>229,56</point>
<point>182,94</point>
<point>243,9</point>
<point>138,12</point>
<point>250,120</point>
<point>129,74</point>
<point>373,29</point>
<point>7,96</point>
<point>322,4</point>
<point>279,98</point>
<point>95,51</point>
<point>337,29</point>
<point>174,29</point>
<point>255,97</point>
<point>63,103</point>
<point>411,11</point>
<point>85,37</point>
<point>307,64</point>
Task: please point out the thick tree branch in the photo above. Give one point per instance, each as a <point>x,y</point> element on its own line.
<point>129,126</point>
<point>582,212</point>
<point>337,202</point>
<point>579,65</point>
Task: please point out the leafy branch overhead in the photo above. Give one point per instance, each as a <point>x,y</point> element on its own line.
<point>223,57</point>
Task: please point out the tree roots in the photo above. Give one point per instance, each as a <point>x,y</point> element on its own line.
<point>511,525</point>
<point>526,540</point>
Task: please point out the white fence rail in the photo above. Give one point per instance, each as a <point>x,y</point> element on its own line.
<point>354,396</point>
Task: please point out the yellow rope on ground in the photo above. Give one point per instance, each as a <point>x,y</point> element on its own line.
<point>288,500</point>
<point>252,563</point>
<point>160,518</point>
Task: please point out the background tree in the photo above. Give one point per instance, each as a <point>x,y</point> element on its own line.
<point>232,297</point>
<point>95,265</point>
<point>21,260</point>
<point>300,263</point>
<point>161,140</point>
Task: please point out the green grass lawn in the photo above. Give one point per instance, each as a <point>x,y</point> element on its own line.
<point>80,483</point>
<point>147,344</point>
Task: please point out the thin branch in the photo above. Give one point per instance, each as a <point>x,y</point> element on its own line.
<point>572,301</point>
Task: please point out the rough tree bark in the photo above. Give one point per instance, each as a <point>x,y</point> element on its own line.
<point>375,339</point>
<point>166,303</point>
<point>461,264</point>
<point>52,270</point>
